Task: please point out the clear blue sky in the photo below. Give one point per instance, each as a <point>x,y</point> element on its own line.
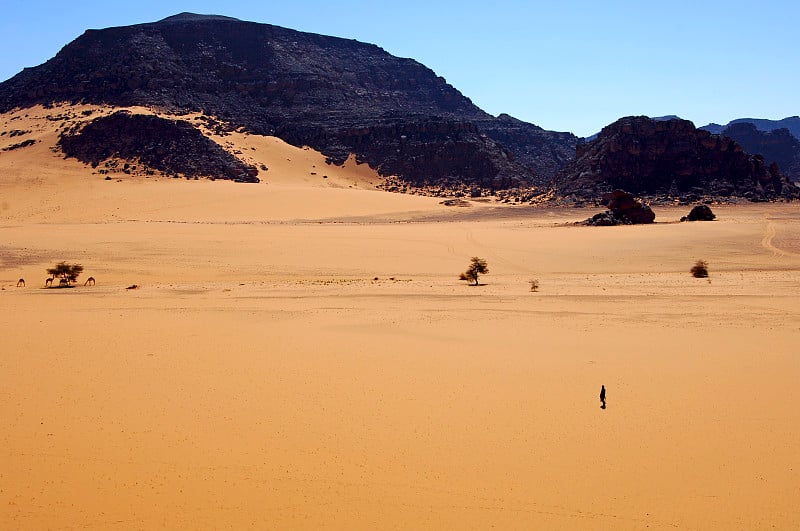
<point>564,65</point>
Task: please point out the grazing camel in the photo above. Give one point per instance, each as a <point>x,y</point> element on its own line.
<point>49,282</point>
<point>21,283</point>
<point>89,282</point>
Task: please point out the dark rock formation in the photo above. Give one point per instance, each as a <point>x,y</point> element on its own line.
<point>715,129</point>
<point>424,152</point>
<point>335,95</point>
<point>700,213</point>
<point>173,147</point>
<point>792,123</point>
<point>544,151</point>
<point>656,118</point>
<point>623,209</point>
<point>19,145</point>
<point>671,159</point>
<point>778,146</point>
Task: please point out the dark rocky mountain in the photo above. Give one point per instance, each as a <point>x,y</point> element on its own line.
<point>791,123</point>
<point>776,145</point>
<point>335,95</point>
<point>670,159</point>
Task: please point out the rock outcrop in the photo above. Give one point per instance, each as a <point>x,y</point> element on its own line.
<point>335,95</point>
<point>792,123</point>
<point>777,146</point>
<point>546,152</point>
<point>700,213</point>
<point>623,209</point>
<point>145,143</point>
<point>669,159</point>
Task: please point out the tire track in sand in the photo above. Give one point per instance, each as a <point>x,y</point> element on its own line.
<point>770,232</point>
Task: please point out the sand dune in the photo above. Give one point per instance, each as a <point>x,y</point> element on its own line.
<point>301,355</point>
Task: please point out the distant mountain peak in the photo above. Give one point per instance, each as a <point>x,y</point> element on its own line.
<point>792,123</point>
<point>666,118</point>
<point>195,17</point>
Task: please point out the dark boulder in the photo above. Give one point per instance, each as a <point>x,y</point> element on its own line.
<point>603,219</point>
<point>623,209</point>
<point>700,213</point>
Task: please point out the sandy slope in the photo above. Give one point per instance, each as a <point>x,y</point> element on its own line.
<point>262,377</point>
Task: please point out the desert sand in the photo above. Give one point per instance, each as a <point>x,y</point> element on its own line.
<point>299,354</point>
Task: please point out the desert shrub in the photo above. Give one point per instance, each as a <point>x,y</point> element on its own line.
<point>700,269</point>
<point>534,284</point>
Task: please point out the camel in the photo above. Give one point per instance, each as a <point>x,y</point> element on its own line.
<point>21,283</point>
<point>89,282</point>
<point>63,282</point>
<point>49,282</point>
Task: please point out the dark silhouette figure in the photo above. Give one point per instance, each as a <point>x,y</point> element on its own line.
<point>603,396</point>
<point>89,282</point>
<point>21,283</point>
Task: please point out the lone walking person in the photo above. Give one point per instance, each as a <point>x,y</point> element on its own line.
<point>603,396</point>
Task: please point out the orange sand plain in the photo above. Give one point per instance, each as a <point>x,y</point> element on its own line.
<point>301,355</point>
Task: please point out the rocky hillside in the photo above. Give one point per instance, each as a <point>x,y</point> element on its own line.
<point>791,123</point>
<point>335,95</point>
<point>776,145</point>
<point>670,159</point>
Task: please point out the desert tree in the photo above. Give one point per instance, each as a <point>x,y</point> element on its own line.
<point>67,273</point>
<point>699,269</point>
<point>477,266</point>
<point>534,284</point>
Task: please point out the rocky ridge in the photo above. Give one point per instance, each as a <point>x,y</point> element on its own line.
<point>792,123</point>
